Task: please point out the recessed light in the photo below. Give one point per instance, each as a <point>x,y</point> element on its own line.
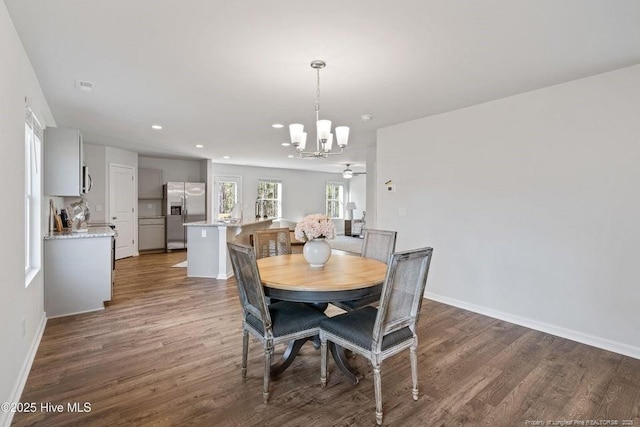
<point>226,157</point>
<point>199,146</point>
<point>277,125</point>
<point>285,144</point>
<point>290,156</point>
<point>366,117</point>
<point>156,127</point>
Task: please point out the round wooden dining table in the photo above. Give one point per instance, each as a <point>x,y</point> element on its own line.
<point>344,277</point>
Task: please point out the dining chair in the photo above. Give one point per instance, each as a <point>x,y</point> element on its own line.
<point>277,323</point>
<point>377,333</point>
<point>378,245</point>
<point>272,242</point>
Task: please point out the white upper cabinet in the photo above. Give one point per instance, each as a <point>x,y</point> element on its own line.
<point>150,184</point>
<point>63,162</point>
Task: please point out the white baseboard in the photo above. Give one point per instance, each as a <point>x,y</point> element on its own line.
<point>7,417</point>
<point>77,312</point>
<point>603,343</point>
<point>224,276</point>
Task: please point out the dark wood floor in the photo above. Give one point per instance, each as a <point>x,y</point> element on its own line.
<point>167,352</point>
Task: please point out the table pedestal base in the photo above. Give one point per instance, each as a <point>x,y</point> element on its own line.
<point>337,352</point>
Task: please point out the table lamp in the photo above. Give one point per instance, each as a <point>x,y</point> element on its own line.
<point>351,206</point>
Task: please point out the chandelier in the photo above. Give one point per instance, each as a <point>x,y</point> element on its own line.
<point>324,137</point>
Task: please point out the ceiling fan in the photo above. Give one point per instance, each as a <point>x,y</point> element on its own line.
<point>348,173</point>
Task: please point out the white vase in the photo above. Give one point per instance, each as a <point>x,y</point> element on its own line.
<point>317,252</point>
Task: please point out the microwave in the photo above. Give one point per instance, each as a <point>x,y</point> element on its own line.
<point>87,182</point>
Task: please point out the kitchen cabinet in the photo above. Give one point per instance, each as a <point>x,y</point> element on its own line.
<point>78,273</point>
<point>150,183</point>
<point>151,234</point>
<point>63,161</point>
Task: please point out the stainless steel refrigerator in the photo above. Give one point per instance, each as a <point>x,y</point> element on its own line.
<point>183,202</point>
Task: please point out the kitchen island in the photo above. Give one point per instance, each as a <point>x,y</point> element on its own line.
<point>78,273</point>
<point>207,245</point>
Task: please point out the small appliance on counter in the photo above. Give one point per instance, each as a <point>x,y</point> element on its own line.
<point>78,216</point>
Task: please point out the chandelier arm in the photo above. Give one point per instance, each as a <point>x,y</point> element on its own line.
<point>319,154</point>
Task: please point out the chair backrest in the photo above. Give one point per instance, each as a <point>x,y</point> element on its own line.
<point>379,244</point>
<point>272,242</point>
<point>245,268</point>
<point>402,293</point>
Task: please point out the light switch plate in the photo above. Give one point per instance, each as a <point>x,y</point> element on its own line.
<point>204,233</point>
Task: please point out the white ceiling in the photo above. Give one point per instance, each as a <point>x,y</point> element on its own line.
<point>219,73</point>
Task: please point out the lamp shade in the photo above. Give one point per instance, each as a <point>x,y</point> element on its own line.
<point>342,136</point>
<point>329,143</point>
<point>324,129</point>
<point>296,130</point>
<point>303,141</point>
<point>351,206</point>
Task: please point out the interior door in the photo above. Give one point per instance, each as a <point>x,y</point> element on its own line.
<point>226,193</point>
<point>121,208</point>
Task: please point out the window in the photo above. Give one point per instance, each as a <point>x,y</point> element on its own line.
<point>334,197</point>
<point>227,197</point>
<point>269,202</point>
<point>227,193</point>
<point>32,196</point>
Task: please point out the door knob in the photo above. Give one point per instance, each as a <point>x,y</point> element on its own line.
<point>115,217</point>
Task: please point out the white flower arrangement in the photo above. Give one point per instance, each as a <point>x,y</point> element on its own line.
<point>316,226</point>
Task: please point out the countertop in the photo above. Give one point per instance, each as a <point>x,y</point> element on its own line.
<point>227,224</point>
<point>92,232</point>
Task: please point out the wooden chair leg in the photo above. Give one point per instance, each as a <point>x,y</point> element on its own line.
<point>267,373</point>
<point>245,352</point>
<point>377,385</point>
<point>323,362</point>
<point>414,370</point>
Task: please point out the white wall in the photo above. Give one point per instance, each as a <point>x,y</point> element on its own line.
<point>174,169</point>
<point>372,187</point>
<point>358,194</point>
<point>303,192</point>
<point>17,81</point>
<point>531,204</point>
